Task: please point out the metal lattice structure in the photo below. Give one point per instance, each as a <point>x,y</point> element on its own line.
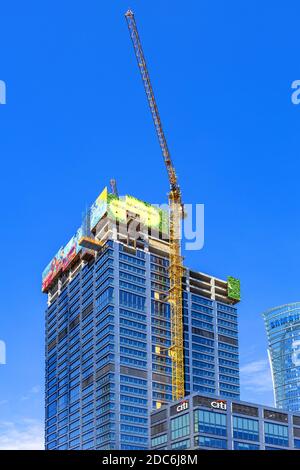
<point>176,214</point>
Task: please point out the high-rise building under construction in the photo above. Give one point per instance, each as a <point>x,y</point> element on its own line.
<point>108,329</point>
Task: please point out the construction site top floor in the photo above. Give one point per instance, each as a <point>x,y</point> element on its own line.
<point>137,226</point>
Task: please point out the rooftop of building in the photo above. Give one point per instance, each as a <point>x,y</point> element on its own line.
<point>138,225</point>
<point>280,308</point>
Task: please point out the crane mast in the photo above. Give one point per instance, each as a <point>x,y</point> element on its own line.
<point>175,216</point>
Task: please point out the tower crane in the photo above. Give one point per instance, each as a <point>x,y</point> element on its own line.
<point>175,217</point>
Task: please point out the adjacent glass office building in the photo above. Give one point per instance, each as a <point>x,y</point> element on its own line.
<point>108,332</point>
<point>283,332</point>
<point>208,422</point>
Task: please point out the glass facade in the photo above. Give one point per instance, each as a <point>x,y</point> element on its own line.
<point>283,333</point>
<point>180,426</point>
<point>211,334</point>
<point>276,434</point>
<point>208,422</point>
<point>245,428</point>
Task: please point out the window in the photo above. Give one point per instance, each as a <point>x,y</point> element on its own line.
<point>135,287</point>
<point>296,420</point>
<point>133,409</point>
<point>52,445</point>
<point>133,315</point>
<point>245,446</point>
<point>132,300</point>
<point>132,419</point>
<point>297,443</point>
<point>133,380</point>
<point>244,409</point>
<point>186,444</point>
<point>74,433</point>
<point>51,429</point>
<point>88,445</point>
<point>275,416</point>
<point>74,442</point>
<point>133,352</point>
<point>132,362</point>
<point>212,442</point>
<point>245,428</point>
<point>131,342</point>
<point>202,324</point>
<point>74,394</point>
<point>210,422</point>
<point>225,331</point>
<point>201,300</point>
<point>157,441</point>
<point>132,333</point>
<point>202,389</point>
<point>134,429</point>
<point>63,431</point>
<point>159,428</point>
<point>104,298</point>
<point>134,439</point>
<point>51,410</point>
<point>276,434</point>
<point>136,400</point>
<point>51,437</point>
<point>273,448</point>
<point>180,426</point>
<point>62,440</point>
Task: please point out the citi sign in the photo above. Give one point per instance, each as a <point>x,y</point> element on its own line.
<point>219,404</point>
<point>182,406</point>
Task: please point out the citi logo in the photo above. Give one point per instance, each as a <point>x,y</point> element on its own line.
<point>182,406</point>
<point>219,404</point>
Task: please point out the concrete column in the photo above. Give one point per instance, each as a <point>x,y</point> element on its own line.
<point>213,288</point>
<point>229,425</point>
<point>290,431</point>
<point>261,428</point>
<point>191,418</point>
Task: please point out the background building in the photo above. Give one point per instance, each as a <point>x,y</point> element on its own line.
<point>208,422</point>
<point>108,329</point>
<point>283,332</point>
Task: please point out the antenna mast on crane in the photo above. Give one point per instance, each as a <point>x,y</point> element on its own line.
<point>176,214</point>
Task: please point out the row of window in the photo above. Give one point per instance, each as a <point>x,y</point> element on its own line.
<point>215,424</point>
<point>208,422</point>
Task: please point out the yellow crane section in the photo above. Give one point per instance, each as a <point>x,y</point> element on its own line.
<point>176,214</point>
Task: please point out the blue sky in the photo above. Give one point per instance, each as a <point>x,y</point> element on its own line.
<point>76,115</point>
